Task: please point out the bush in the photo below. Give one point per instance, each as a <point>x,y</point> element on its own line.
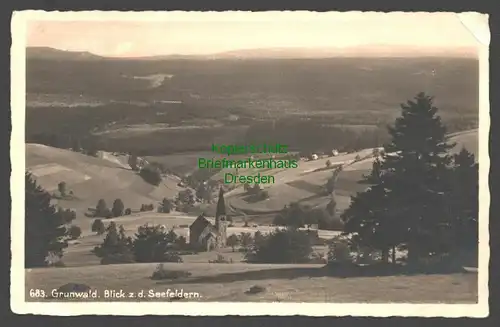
<point>166,205</point>
<point>152,243</point>
<point>147,207</point>
<point>255,289</point>
<point>172,256</point>
<point>75,232</point>
<point>245,239</point>
<point>339,251</point>
<point>118,207</point>
<point>161,273</point>
<point>62,188</point>
<point>101,209</point>
<point>67,216</point>
<point>181,242</point>
<point>53,260</point>
<point>116,247</point>
<point>98,227</point>
<point>128,211</point>
<point>281,246</point>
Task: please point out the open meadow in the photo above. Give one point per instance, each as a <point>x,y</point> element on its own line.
<point>282,283</point>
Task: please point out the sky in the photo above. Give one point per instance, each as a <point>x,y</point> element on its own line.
<point>208,33</point>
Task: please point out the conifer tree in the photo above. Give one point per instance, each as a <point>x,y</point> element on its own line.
<point>45,233</point>
<point>406,203</point>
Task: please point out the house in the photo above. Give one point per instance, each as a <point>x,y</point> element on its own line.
<point>203,234</point>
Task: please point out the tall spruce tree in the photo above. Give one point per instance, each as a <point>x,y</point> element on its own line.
<point>415,173</point>
<point>407,203</point>
<point>45,232</point>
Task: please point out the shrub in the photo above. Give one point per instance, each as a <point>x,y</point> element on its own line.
<point>101,209</point>
<point>62,188</point>
<point>282,246</point>
<point>259,238</point>
<point>166,205</point>
<point>67,216</point>
<point>161,273</point>
<point>74,232</point>
<point>172,256</point>
<point>151,175</point>
<point>152,243</point>
<point>245,239</point>
<point>339,251</point>
<point>118,207</point>
<point>116,247</point>
<point>98,227</point>
<point>255,289</point>
<point>53,260</point>
<point>233,240</point>
<point>128,211</point>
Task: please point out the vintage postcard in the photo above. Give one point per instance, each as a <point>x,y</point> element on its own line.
<point>250,163</point>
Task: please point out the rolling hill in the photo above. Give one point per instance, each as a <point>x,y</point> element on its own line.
<point>305,185</point>
<point>47,53</point>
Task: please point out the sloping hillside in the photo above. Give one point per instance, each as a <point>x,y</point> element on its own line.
<point>304,185</point>
<point>91,179</point>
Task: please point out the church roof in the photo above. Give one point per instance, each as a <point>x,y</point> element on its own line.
<point>200,223</point>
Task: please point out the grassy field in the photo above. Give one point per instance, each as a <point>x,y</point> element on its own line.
<point>292,283</point>
<point>91,179</point>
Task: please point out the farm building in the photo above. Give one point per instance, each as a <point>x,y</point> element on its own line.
<point>202,234</point>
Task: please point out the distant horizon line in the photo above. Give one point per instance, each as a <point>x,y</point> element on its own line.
<point>470,51</point>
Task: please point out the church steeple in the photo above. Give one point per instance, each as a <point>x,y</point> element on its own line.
<point>221,205</point>
<point>221,220</point>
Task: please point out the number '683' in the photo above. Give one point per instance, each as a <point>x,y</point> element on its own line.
<point>37,293</point>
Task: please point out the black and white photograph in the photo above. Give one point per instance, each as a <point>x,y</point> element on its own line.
<point>250,163</point>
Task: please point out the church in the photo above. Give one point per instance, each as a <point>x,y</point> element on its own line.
<point>204,235</point>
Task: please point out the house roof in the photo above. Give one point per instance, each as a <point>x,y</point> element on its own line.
<point>200,223</point>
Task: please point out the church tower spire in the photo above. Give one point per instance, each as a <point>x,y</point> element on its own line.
<point>221,219</point>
